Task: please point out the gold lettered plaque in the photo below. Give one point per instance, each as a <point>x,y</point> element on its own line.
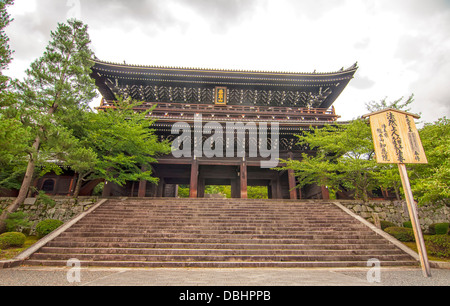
<point>221,96</point>
<point>396,138</point>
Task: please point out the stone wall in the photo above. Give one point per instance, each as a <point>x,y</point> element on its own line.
<point>63,208</point>
<point>397,212</point>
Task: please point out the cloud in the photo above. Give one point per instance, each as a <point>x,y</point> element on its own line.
<point>402,46</point>
<point>362,82</point>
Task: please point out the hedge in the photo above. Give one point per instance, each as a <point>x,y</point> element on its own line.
<point>386,224</point>
<point>438,245</point>
<point>439,228</point>
<point>401,233</point>
<point>12,239</point>
<point>47,226</point>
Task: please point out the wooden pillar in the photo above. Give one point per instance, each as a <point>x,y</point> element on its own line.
<point>160,188</point>
<point>132,189</point>
<point>325,193</point>
<point>243,179</point>
<point>235,189</point>
<point>292,184</point>
<point>194,180</point>
<point>107,190</point>
<point>291,178</point>
<point>73,181</point>
<point>279,189</point>
<point>201,188</point>
<point>276,188</point>
<point>142,191</point>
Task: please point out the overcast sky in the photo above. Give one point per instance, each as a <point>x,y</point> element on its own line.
<point>402,46</point>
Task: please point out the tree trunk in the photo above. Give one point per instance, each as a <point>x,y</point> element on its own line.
<point>397,192</point>
<point>27,180</point>
<point>79,184</point>
<point>23,192</point>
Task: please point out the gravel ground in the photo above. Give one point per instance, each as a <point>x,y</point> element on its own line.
<point>221,277</point>
<point>407,277</point>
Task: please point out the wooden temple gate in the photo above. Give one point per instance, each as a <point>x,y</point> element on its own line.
<point>295,102</point>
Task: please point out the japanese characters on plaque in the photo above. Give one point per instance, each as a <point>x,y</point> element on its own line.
<point>396,138</point>
<point>221,96</point>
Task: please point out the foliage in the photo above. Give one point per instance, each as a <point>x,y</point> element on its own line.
<point>374,106</point>
<point>344,159</point>
<point>5,51</point>
<point>56,86</point>
<point>12,239</point>
<point>257,192</point>
<point>17,221</point>
<point>438,245</point>
<point>216,189</point>
<point>431,182</point>
<point>15,141</point>
<point>438,228</point>
<point>45,227</point>
<point>401,233</point>
<point>117,144</point>
<point>386,224</point>
<point>183,191</point>
<point>407,224</point>
<point>44,199</point>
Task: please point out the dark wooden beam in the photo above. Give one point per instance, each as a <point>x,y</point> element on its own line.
<point>194,180</point>
<point>243,177</point>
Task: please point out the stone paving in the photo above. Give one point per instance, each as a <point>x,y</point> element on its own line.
<point>27,276</point>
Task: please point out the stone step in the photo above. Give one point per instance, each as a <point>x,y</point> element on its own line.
<point>212,246</point>
<point>304,236</point>
<point>216,252</point>
<point>218,233</point>
<point>211,258</point>
<point>215,220</point>
<point>140,264</point>
<point>214,230</point>
<point>223,241</point>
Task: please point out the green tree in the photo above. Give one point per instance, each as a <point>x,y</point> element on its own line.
<point>399,104</point>
<point>344,159</point>
<point>5,51</point>
<point>56,84</point>
<point>431,182</point>
<point>117,145</point>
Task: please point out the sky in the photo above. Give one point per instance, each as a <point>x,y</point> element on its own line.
<point>402,47</point>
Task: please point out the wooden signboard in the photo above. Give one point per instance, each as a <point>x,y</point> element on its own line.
<point>397,141</point>
<point>396,138</point>
<point>221,96</point>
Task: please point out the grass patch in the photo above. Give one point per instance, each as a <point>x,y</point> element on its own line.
<point>413,246</point>
<point>10,253</point>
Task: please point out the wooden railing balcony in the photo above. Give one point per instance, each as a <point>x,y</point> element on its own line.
<point>187,112</point>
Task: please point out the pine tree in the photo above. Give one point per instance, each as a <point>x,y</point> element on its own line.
<point>56,84</point>
<point>5,51</point>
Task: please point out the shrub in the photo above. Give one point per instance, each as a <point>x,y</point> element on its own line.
<point>47,226</point>
<point>386,224</point>
<point>401,233</point>
<point>407,224</point>
<point>17,221</point>
<point>42,198</point>
<point>438,245</point>
<point>438,228</point>
<point>12,239</point>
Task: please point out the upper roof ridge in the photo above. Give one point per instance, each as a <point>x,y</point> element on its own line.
<point>126,65</point>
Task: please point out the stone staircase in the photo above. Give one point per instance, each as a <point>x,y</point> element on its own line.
<point>220,233</point>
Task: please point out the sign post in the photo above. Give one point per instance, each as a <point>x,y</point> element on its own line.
<point>397,141</point>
